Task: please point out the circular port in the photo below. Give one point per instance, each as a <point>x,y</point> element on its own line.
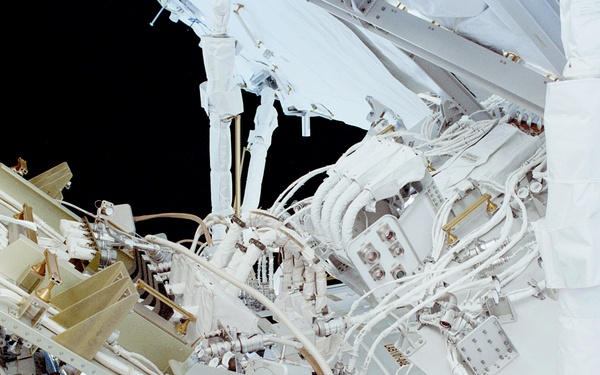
<point>396,249</point>
<point>377,273</point>
<point>369,255</point>
<point>398,272</point>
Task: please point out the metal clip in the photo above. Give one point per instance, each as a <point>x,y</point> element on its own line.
<point>538,293</point>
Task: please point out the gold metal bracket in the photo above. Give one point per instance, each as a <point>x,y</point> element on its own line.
<point>189,317</point>
<point>40,298</point>
<point>33,277</point>
<point>54,180</point>
<point>27,214</point>
<point>92,309</point>
<point>21,167</point>
<point>490,207</point>
<point>53,272</point>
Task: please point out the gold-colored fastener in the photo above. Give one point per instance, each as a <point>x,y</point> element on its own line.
<point>490,207</point>
<point>512,56</point>
<point>429,167</point>
<point>40,268</point>
<point>45,293</point>
<point>50,266</point>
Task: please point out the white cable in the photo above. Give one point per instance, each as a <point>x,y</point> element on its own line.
<point>241,271</point>
<point>291,190</point>
<point>495,219</point>
<point>328,204</point>
<point>317,201</point>
<point>141,358</point>
<point>136,359</point>
<point>281,341</point>
<point>505,277</point>
<point>115,365</point>
<point>23,223</point>
<point>77,208</point>
<point>452,286</point>
<point>12,204</point>
<point>304,203</point>
<point>11,296</point>
<point>337,213</point>
<point>406,283</point>
<point>517,295</point>
<point>297,213</point>
<point>454,142</point>
<point>351,213</point>
<point>199,231</point>
<point>277,312</point>
<point>437,234</point>
<point>226,248</point>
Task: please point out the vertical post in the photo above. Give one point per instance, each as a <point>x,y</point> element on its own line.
<point>238,165</point>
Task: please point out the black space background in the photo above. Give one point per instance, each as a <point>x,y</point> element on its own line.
<point>91,83</point>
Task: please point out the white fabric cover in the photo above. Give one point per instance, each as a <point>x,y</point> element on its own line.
<point>568,236</point>
<point>221,98</point>
<point>580,20</point>
<point>205,296</point>
<point>336,79</point>
<point>224,95</point>
<point>220,16</point>
<point>259,141</point>
<point>578,338</point>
